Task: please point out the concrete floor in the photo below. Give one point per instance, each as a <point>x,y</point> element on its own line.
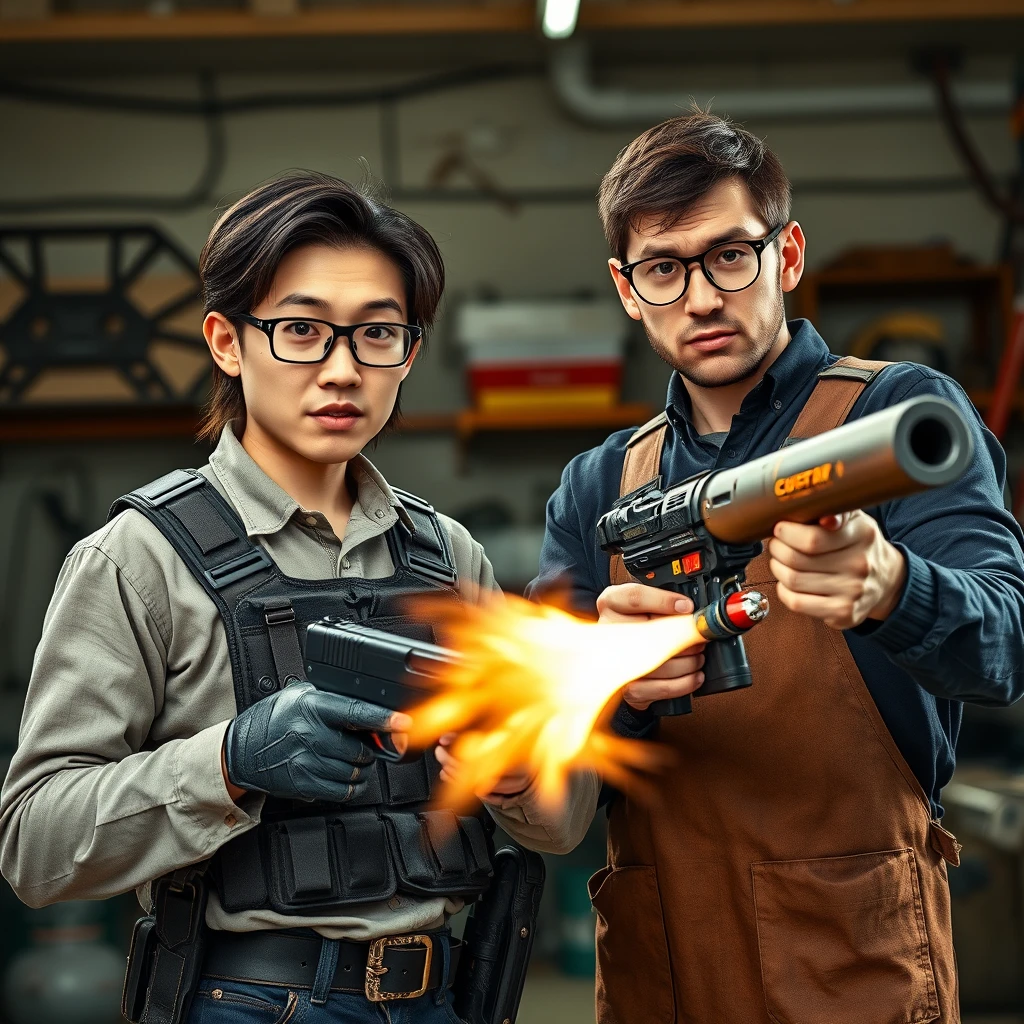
<point>553,998</point>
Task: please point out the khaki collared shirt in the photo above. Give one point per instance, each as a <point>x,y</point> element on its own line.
<point>117,776</point>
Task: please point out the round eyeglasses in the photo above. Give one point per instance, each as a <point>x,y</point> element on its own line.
<point>304,340</point>
<point>729,266</point>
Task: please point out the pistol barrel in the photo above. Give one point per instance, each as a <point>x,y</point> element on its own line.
<point>918,444</point>
<point>381,668</point>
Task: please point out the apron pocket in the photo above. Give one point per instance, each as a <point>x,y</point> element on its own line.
<point>634,981</point>
<point>843,940</point>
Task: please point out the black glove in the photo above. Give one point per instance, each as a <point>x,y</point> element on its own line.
<point>300,744</point>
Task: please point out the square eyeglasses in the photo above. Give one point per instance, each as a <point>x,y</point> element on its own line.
<point>308,340</point>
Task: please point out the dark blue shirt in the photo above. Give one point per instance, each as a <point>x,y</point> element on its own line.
<point>956,634</point>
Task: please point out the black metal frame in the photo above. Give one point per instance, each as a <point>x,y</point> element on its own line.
<point>758,245</point>
<point>86,329</point>
<point>347,332</point>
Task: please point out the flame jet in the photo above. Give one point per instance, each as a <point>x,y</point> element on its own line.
<point>524,686</point>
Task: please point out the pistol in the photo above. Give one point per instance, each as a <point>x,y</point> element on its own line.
<point>368,664</point>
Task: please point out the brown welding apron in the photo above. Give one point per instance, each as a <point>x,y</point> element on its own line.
<point>789,871</point>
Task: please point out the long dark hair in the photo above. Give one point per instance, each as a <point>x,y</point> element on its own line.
<point>249,241</point>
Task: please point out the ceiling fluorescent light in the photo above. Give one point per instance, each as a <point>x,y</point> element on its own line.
<point>558,17</point>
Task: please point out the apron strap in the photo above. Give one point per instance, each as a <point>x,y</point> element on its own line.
<point>641,465</point>
<point>833,397</point>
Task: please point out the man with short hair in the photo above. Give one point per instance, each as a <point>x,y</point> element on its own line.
<point>793,867</point>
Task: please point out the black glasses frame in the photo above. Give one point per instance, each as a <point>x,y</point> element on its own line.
<point>338,330</point>
<point>758,245</point>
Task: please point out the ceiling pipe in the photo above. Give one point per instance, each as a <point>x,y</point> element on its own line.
<point>570,75</point>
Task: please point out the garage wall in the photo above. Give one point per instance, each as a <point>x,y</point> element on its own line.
<point>857,182</point>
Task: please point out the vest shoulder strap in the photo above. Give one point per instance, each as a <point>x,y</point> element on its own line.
<point>203,529</point>
<point>210,539</point>
<point>427,551</point>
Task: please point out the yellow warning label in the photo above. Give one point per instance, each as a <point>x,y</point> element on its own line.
<point>677,568</point>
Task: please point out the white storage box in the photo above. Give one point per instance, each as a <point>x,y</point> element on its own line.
<point>542,330</point>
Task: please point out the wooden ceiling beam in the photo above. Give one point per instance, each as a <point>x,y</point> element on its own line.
<point>736,13</point>
<point>516,16</point>
<point>384,19</point>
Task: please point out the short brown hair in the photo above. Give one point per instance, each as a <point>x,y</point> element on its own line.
<point>248,243</point>
<point>674,164</point>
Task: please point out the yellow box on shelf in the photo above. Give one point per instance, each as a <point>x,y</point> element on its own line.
<point>598,396</point>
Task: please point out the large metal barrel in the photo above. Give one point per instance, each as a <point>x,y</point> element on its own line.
<point>918,444</point>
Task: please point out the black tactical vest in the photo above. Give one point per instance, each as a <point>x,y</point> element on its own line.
<point>313,858</point>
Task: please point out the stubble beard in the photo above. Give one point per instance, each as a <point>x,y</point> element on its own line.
<point>703,374</point>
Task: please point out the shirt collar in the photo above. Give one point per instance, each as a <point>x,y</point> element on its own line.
<point>785,380</point>
<point>265,507</point>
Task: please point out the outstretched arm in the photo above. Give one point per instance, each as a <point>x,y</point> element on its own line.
<point>936,580</point>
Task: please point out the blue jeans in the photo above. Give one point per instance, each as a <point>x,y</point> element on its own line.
<point>233,1002</point>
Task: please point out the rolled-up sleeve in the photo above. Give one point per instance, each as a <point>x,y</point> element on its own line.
<point>86,810</point>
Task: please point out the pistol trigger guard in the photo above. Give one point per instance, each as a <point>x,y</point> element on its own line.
<point>733,585</point>
<point>384,746</point>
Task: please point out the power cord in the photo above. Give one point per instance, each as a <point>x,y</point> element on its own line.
<point>939,68</point>
<point>213,109</point>
<point>200,194</point>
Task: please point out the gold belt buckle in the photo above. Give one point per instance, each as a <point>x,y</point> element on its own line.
<point>375,968</point>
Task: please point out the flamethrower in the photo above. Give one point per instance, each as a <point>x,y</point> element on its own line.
<point>697,537</point>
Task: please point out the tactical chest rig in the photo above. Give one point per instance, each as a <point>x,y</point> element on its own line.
<point>306,858</point>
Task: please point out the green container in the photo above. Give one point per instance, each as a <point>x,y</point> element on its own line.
<point>576,922</point>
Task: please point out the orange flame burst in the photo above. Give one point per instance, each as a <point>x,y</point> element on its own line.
<point>533,693</point>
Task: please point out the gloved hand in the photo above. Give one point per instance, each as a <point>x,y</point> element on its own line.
<point>301,744</point>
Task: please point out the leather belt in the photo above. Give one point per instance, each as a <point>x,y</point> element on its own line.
<point>395,967</point>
